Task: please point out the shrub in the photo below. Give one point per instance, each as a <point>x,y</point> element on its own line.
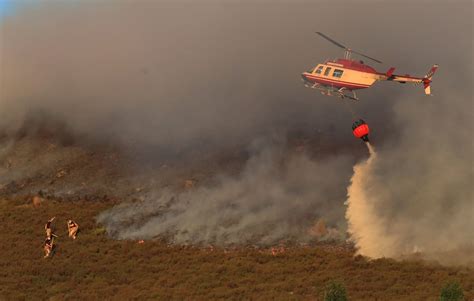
<point>335,292</point>
<point>99,231</point>
<point>452,291</point>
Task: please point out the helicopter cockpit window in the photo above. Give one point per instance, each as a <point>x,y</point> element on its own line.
<point>328,69</point>
<point>319,70</point>
<point>337,73</point>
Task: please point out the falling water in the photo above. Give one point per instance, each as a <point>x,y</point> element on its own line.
<point>364,226</point>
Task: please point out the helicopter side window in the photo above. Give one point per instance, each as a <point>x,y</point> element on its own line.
<point>337,73</point>
<point>328,69</point>
<point>319,70</point>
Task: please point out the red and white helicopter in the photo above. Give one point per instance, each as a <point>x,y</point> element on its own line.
<point>342,76</point>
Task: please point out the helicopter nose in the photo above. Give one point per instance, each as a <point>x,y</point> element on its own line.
<point>305,80</point>
<point>303,76</point>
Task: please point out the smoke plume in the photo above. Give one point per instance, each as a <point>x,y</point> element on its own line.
<point>364,225</point>
<point>276,198</point>
<point>417,196</point>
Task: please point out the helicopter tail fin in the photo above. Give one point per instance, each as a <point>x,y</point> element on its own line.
<point>389,72</point>
<point>427,79</point>
<point>432,71</point>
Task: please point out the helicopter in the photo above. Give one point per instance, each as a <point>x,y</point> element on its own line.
<point>341,77</point>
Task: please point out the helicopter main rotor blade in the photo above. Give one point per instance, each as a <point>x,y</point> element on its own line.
<point>332,41</point>
<point>345,48</point>
<point>366,56</point>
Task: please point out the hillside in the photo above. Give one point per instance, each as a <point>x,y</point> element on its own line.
<point>96,266</point>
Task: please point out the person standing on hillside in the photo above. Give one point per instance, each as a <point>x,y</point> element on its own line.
<point>48,228</point>
<point>48,246</point>
<point>72,228</point>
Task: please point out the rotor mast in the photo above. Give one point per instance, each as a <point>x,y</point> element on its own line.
<point>347,54</point>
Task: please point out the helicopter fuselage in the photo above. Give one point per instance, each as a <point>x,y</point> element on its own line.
<point>343,73</point>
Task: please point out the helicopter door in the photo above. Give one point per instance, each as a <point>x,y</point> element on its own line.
<point>328,69</point>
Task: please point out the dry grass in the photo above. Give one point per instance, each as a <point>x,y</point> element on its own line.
<point>95,267</point>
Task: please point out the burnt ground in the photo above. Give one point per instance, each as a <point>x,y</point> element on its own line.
<point>79,182</point>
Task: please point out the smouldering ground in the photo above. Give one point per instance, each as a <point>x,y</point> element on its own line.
<point>95,267</point>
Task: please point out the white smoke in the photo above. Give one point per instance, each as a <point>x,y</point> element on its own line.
<point>390,217</point>
<point>274,199</point>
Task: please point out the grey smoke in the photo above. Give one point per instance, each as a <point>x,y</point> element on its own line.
<point>157,75</point>
<point>275,198</point>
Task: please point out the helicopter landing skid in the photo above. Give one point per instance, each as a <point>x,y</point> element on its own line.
<point>331,91</point>
<point>344,95</point>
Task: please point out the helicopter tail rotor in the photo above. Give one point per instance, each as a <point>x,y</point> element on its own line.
<point>432,71</point>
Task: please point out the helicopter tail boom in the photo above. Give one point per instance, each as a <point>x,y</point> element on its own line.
<point>426,80</point>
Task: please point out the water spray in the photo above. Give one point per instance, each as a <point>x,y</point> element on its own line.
<point>364,225</point>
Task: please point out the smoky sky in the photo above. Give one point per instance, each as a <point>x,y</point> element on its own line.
<point>174,74</point>
<point>177,75</point>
